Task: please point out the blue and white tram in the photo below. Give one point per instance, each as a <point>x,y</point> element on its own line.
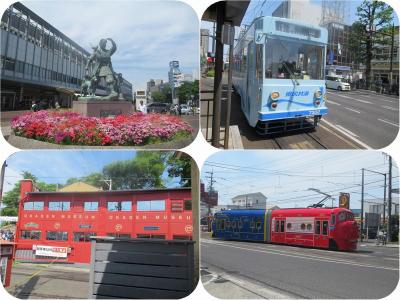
<point>278,70</point>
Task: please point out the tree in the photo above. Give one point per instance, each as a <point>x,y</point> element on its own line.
<point>180,167</point>
<point>187,90</point>
<point>158,96</point>
<point>368,32</point>
<point>142,172</point>
<point>94,179</point>
<point>11,198</point>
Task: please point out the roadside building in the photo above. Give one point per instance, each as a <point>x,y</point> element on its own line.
<point>204,41</point>
<point>40,63</point>
<point>59,224</point>
<point>251,200</point>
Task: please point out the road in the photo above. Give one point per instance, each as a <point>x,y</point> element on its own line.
<point>370,117</point>
<point>52,281</point>
<point>357,119</point>
<point>277,271</point>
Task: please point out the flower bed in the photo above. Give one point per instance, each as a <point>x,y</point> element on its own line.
<point>69,128</point>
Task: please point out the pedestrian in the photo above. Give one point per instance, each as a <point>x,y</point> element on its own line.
<point>179,110</point>
<point>142,107</point>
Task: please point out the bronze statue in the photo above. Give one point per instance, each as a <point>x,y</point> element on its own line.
<point>99,70</point>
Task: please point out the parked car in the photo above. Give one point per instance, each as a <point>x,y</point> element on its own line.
<point>157,107</point>
<point>185,109</point>
<point>337,83</point>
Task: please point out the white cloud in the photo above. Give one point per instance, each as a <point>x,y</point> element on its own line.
<point>148,34</point>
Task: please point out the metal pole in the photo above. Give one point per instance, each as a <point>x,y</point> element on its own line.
<point>219,52</point>
<point>229,99</point>
<point>384,202</point>
<point>3,169</point>
<point>391,61</point>
<point>389,229</point>
<point>362,205</point>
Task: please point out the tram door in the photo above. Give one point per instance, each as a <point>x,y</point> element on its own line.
<point>278,230</point>
<point>321,238</point>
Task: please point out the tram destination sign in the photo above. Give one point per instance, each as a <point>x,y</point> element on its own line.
<point>297,29</point>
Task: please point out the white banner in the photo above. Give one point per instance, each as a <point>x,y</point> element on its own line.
<point>52,251</point>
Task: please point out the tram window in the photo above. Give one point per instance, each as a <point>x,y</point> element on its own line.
<point>222,224</point>
<point>318,227</point>
<point>252,224</point>
<point>258,225</point>
<point>119,206</point>
<point>143,236</point>
<point>120,235</point>
<point>228,224</point>
<point>153,205</point>
<point>325,227</point>
<point>309,227</point>
<point>342,216</point>
<point>36,205</point>
<point>350,217</point>
<point>233,224</point>
<point>240,224</point>
<point>282,226</point>
<point>303,226</point>
<point>289,226</point>
<point>31,234</point>
<point>259,61</point>
<point>83,236</point>
<point>59,205</point>
<point>276,226</point>
<point>91,206</point>
<point>57,235</point>
<point>333,219</point>
<point>188,204</point>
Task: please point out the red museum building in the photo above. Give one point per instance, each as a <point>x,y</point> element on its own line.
<point>57,225</point>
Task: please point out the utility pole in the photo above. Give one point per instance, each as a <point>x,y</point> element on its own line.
<point>210,189</point>
<point>384,202</point>
<point>3,169</point>
<point>391,61</point>
<point>362,205</point>
<point>389,229</point>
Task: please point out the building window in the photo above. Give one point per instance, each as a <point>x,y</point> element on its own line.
<point>59,205</point>
<point>119,206</point>
<point>153,205</point>
<point>30,234</point>
<point>57,235</point>
<point>83,236</point>
<point>91,206</point>
<point>188,204</point>
<point>37,205</point>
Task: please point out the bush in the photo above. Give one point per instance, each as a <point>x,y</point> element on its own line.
<point>210,73</point>
<point>68,128</point>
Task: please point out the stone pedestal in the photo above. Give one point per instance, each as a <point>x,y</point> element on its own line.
<point>98,109</point>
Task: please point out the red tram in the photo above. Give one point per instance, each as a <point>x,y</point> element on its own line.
<point>57,225</point>
<point>329,228</point>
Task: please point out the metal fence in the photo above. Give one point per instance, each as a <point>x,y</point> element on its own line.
<point>141,268</point>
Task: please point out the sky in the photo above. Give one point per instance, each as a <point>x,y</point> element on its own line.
<point>56,166</point>
<point>148,34</point>
<point>284,177</point>
<point>258,8</point>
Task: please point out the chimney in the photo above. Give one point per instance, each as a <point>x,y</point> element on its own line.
<point>26,187</point>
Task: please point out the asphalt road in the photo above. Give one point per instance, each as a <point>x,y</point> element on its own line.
<point>278,271</point>
<point>357,119</point>
<point>370,117</point>
<point>49,281</point>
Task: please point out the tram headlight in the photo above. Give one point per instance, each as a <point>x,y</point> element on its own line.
<point>274,104</point>
<point>318,94</point>
<point>274,95</point>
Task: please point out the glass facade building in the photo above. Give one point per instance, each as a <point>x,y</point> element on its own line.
<point>40,63</point>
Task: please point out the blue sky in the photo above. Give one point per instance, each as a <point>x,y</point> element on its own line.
<point>148,34</point>
<point>57,166</point>
<point>284,177</point>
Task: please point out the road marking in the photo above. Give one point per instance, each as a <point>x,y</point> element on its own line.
<point>388,122</point>
<point>377,96</point>
<point>363,101</point>
<point>329,102</point>
<point>309,257</point>
<point>347,135</point>
<point>348,108</point>
<point>348,131</point>
<point>388,258</point>
<point>391,108</point>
